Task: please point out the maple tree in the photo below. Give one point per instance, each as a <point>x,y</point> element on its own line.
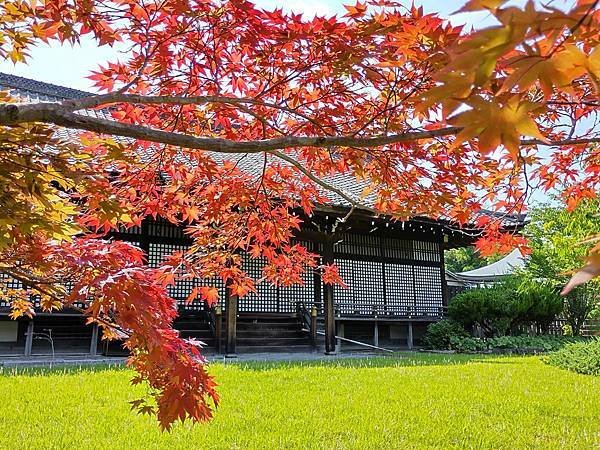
<point>431,119</point>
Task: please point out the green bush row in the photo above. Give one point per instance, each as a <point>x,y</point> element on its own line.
<point>498,310</point>
<point>580,357</point>
<point>534,344</point>
<point>450,335</point>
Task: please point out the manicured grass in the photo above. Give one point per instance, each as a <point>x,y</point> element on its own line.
<point>428,401</point>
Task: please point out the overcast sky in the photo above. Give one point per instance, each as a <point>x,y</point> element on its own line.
<point>69,66</point>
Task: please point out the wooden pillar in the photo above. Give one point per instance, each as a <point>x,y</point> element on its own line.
<point>231,306</point>
<point>409,341</point>
<point>376,334</point>
<point>340,334</point>
<point>328,301</point>
<point>29,338</point>
<point>94,340</point>
<point>218,328</point>
<point>443,277</point>
<point>313,325</point>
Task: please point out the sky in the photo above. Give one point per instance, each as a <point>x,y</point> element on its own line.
<point>69,66</point>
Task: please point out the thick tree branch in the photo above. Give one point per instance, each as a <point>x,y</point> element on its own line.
<point>54,113</point>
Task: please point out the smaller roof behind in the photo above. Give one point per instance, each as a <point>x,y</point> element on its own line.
<point>493,272</point>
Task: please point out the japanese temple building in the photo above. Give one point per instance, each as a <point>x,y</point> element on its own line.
<point>394,272</point>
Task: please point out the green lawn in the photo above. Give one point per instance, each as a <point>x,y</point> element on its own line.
<point>409,402</point>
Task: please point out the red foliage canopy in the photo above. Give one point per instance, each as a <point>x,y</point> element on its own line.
<point>430,120</point>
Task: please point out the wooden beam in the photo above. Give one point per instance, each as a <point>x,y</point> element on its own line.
<point>94,340</point>
<point>231,306</point>
<point>340,334</point>
<point>443,276</point>
<point>29,338</point>
<point>218,329</point>
<point>328,302</point>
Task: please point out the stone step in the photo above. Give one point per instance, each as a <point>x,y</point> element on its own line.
<point>289,332</point>
<point>242,349</point>
<point>271,341</point>
<point>267,325</point>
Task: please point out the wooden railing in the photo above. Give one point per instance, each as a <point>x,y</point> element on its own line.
<point>390,311</point>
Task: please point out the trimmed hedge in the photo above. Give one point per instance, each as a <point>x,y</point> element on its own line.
<point>499,309</point>
<point>509,344</point>
<point>580,357</point>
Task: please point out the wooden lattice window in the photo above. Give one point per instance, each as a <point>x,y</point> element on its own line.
<point>398,248</point>
<point>365,287</point>
<point>400,287</point>
<point>265,299</point>
<point>163,228</point>
<point>426,251</point>
<point>359,245</point>
<point>428,292</point>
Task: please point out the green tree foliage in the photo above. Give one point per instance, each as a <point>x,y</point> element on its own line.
<point>499,309</point>
<point>540,302</point>
<point>557,239</point>
<point>466,258</point>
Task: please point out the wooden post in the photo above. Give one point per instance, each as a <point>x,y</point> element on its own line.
<point>340,334</point>
<point>218,328</point>
<point>409,341</point>
<point>376,335</point>
<point>231,305</point>
<point>94,340</point>
<point>443,279</point>
<point>313,325</point>
<point>29,338</point>
<point>328,301</point>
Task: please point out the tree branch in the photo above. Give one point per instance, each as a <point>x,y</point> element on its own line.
<point>57,114</point>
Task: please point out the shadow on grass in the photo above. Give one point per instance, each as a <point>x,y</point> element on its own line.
<point>374,362</point>
<point>367,362</point>
<point>59,369</point>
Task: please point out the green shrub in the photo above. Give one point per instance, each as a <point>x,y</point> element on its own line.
<point>580,357</point>
<point>499,309</point>
<point>492,309</point>
<point>439,334</point>
<point>543,301</point>
<point>467,344</point>
<point>536,344</point>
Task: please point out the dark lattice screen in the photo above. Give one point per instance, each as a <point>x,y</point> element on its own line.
<point>289,296</point>
<point>393,276</point>
<point>397,248</point>
<point>157,252</point>
<point>359,244</point>
<point>7,282</point>
<point>265,299</point>
<point>131,230</point>
<point>428,292</point>
<point>365,287</point>
<point>426,251</point>
<point>400,288</point>
<point>163,228</point>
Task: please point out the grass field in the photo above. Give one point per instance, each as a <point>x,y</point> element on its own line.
<point>428,401</point>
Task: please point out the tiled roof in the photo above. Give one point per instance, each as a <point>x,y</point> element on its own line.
<point>40,89</point>
<point>251,163</point>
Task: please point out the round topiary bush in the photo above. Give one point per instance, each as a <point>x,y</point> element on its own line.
<point>440,334</point>
<point>580,357</point>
